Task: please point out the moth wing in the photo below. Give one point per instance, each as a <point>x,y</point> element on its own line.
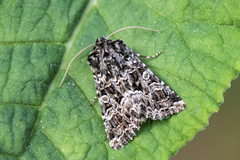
<point>128,91</point>
<point>121,120</point>
<point>160,100</point>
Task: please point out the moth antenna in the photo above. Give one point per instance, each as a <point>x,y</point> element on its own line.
<point>72,61</point>
<point>130,28</point>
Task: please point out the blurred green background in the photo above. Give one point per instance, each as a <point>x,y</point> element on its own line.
<point>220,140</point>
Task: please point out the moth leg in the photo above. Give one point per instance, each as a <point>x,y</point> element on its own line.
<point>95,98</point>
<point>139,55</point>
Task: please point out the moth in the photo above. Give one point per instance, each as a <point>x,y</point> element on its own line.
<point>127,90</point>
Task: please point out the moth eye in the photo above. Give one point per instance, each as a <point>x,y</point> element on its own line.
<point>93,60</point>
<point>145,75</point>
<point>105,99</point>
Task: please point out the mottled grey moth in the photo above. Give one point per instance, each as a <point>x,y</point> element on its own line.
<point>128,92</point>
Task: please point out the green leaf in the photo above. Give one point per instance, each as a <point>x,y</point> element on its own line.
<point>38,120</point>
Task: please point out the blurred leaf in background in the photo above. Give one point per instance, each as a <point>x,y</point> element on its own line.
<point>219,139</point>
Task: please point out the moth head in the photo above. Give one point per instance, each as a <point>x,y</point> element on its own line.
<point>93,59</point>
<point>100,41</point>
